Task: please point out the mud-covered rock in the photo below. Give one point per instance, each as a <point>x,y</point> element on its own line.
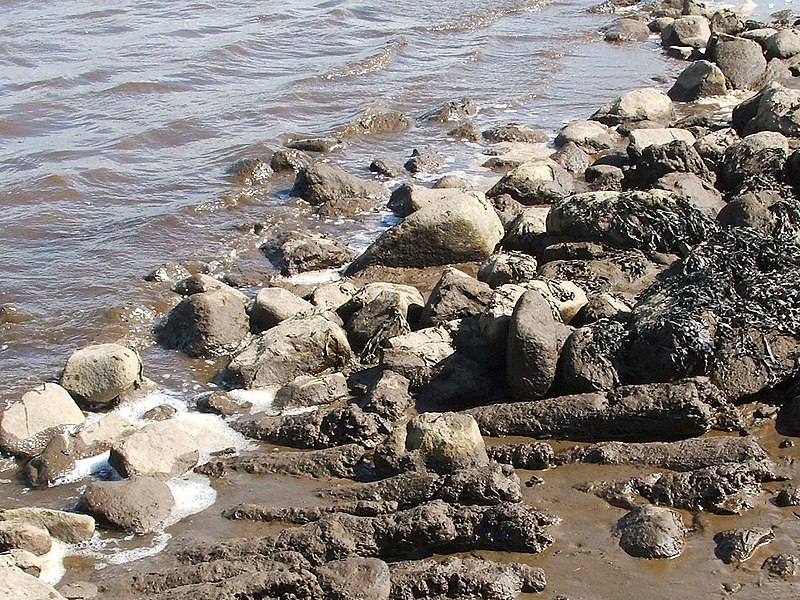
<point>455,296</point>
<point>650,221</point>
<point>297,252</point>
<point>463,578</point>
<point>161,450</point>
<point>27,425</point>
<point>355,579</point>
<point>140,504</point>
<point>99,373</point>
<point>298,346</point>
<point>340,461</point>
<point>646,104</point>
<point>534,183</point>
<point>652,412</point>
<point>457,229</point>
<point>535,339</point>
<point>204,324</point>
<point>534,456</point>
<point>699,80</point>
<point>651,532</point>
<point>741,61</point>
<point>735,546</point>
<point>320,182</point>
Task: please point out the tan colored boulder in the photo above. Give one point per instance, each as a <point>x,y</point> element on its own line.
<point>97,374</point>
<point>160,450</point>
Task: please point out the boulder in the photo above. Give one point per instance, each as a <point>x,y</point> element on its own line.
<point>447,182</point>
<point>139,505</point>
<point>410,300</point>
<point>652,221</point>
<point>454,110</point>
<point>371,326</point>
<point>754,163</point>
<point>355,579</point>
<point>507,267</point>
<point>308,390</point>
<point>283,161</point>
<point>639,139</point>
<point>28,424</point>
<point>297,252</point>
<point>740,60</point>
<point>647,104</point>
<point>535,338</point>
<point>24,536</point>
<point>751,209</point>
<point>247,172</point>
<point>589,359</point>
<point>161,450</point>
<point>64,526</point>
<point>274,305</point>
<point>446,442</point>
<point>691,30</point>
<point>16,584</point>
<point>588,135</point>
<point>784,43</point>
<point>455,296</point>
<point>298,346</point>
<point>602,306</point>
<point>199,282</point>
<point>534,183</point>
<point>571,157</point>
<point>386,167</point>
<point>701,193</point>
<point>496,317</point>
<point>711,147</point>
<point>454,230</point>
<point>333,296</point>
<point>627,30</point>
<point>415,354</point>
<point>699,80</point>
<point>651,532</point>
<point>409,198</point>
<point>604,178</point>
<point>527,229</point>
<point>320,182</point>
<point>657,161</point>
<point>97,374</point>
<point>205,324</point>
<point>774,108</point>
<point>726,21</point>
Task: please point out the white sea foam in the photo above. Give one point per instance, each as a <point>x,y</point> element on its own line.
<point>261,399</point>
<point>315,277</point>
<point>110,551</point>
<point>95,466</point>
<point>52,563</point>
<point>193,494</point>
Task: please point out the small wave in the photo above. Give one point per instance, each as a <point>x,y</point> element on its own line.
<point>371,64</point>
<point>144,87</point>
<point>483,19</point>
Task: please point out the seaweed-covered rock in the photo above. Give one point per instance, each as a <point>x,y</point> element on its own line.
<point>455,296</point>
<point>588,361</point>
<point>718,311</point>
<point>534,183</point>
<point>651,532</point>
<point>508,267</point>
<point>756,162</point>
<point>647,104</point>
<point>653,221</point>
<point>656,161</point>
<point>320,182</point>
<point>298,346</point>
<point>784,566</point>
<point>457,229</point>
<point>296,252</point>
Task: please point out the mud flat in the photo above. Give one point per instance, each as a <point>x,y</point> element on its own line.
<point>574,377</point>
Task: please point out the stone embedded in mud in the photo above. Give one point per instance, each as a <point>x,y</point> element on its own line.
<point>64,526</point>
<point>296,252</point>
<point>204,324</point>
<point>534,183</point>
<point>653,221</point>
<point>97,374</point>
<point>788,496</point>
<point>534,456</point>
<point>653,412</point>
<point>446,442</point>
<point>646,104</point>
<point>455,296</point>
<point>456,229</point>
<point>651,532</point>
<point>27,425</point>
<point>735,546</point>
<point>785,566</point>
<point>298,346</point>
<point>319,183</point>
<point>463,578</point>
<point>274,305</point>
<point>161,450</point>
<point>355,579</point>
<point>740,60</point>
<point>139,505</point>
<point>535,339</point>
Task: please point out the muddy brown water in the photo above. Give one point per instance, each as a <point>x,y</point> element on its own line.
<point>117,123</point>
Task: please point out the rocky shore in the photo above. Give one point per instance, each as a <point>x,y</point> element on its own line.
<point>586,361</point>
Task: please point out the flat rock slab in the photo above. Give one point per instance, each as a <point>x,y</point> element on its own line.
<point>160,450</point>
<point>139,504</point>
<point>67,527</point>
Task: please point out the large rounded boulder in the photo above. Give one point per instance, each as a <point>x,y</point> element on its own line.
<point>97,374</point>
<point>646,104</point>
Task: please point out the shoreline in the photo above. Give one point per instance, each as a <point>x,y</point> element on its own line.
<point>371,407</point>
